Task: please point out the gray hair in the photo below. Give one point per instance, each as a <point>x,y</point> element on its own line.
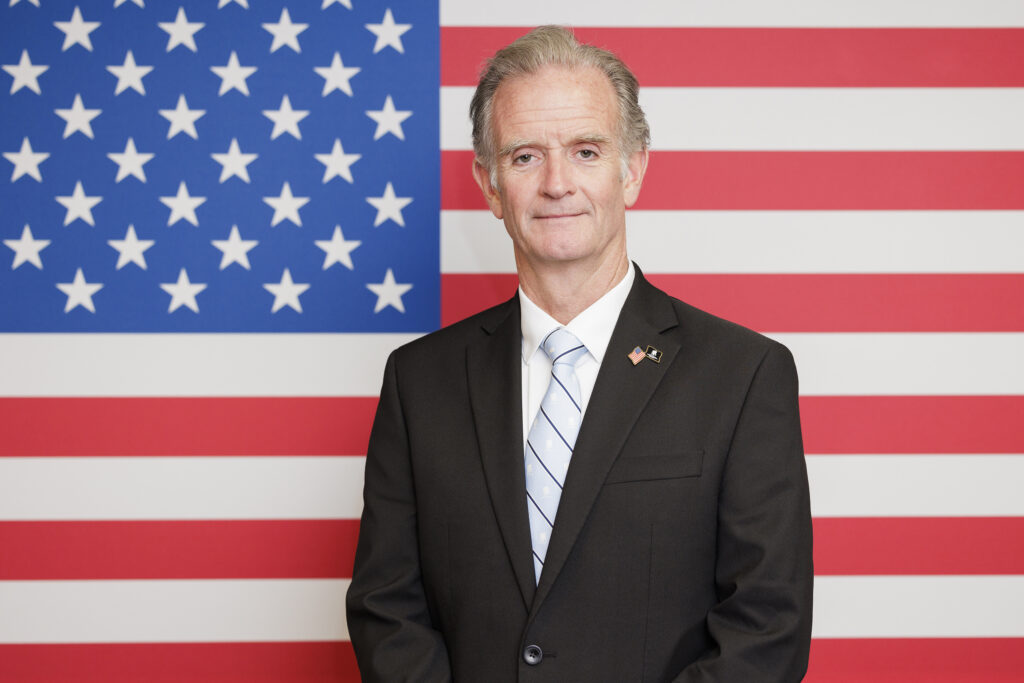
<point>556,46</point>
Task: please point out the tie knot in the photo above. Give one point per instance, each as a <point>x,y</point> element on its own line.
<point>562,346</point>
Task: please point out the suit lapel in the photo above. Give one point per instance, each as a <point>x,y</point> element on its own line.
<point>620,395</point>
<point>494,369</point>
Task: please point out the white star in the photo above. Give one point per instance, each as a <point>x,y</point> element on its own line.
<point>388,33</point>
<point>336,76</point>
<point>183,119</point>
<point>78,118</point>
<point>286,119</point>
<point>15,2</point>
<point>286,292</point>
<point>389,293</point>
<point>234,249</point>
<point>286,206</point>
<point>181,31</point>
<point>118,3</point>
<point>233,75</point>
<point>337,163</point>
<point>285,32</point>
<point>26,249</point>
<point>26,162</point>
<point>338,249</point>
<point>328,3</point>
<point>183,292</point>
<point>79,292</point>
<point>389,120</point>
<point>129,75</point>
<point>222,3</point>
<point>389,206</point>
<point>25,74</point>
<point>76,31</point>
<point>78,205</point>
<point>234,162</point>
<point>130,162</point>
<point>131,249</point>
<point>182,206</point>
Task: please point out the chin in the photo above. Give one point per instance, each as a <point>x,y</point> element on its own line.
<point>562,253</point>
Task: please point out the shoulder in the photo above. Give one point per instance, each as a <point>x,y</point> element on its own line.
<point>451,340</point>
<point>717,336</point>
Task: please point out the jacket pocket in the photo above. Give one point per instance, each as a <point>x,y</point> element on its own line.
<point>653,467</point>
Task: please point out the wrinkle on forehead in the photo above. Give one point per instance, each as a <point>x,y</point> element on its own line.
<point>556,106</point>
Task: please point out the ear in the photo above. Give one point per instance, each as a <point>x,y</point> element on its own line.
<point>635,170</point>
<point>491,193</point>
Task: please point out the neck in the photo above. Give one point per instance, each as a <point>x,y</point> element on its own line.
<point>563,291</point>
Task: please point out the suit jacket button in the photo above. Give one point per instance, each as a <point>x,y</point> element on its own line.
<point>532,655</point>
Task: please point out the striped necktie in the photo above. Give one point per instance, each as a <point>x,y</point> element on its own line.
<point>552,438</point>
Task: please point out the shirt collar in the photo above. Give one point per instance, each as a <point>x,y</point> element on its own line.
<point>593,326</point>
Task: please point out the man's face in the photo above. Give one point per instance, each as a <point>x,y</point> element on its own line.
<point>561,189</point>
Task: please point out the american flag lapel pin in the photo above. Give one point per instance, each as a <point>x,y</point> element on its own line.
<point>636,355</point>
<point>652,353</point>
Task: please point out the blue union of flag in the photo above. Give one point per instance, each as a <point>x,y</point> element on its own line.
<point>202,166</point>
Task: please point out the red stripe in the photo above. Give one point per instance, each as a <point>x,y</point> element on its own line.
<point>767,57</point>
<point>318,662</point>
<point>179,549</point>
<point>858,302</point>
<point>186,426</point>
<point>912,424</point>
<point>911,545</point>
<point>789,180</point>
<point>832,424</point>
<point>269,549</point>
<point>807,303</point>
<point>916,660</point>
<point>863,660</point>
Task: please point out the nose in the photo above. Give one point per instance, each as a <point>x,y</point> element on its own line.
<point>558,177</point>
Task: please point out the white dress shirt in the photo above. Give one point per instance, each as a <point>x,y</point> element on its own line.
<point>593,327</point>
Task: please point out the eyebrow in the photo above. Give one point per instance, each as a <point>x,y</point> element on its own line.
<point>595,139</point>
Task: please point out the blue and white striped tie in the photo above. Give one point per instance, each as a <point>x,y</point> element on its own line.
<point>552,438</point>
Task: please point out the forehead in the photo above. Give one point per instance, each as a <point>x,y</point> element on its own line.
<point>554,101</point>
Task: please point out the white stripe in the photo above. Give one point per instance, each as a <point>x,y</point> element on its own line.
<point>776,242</point>
<point>807,118</point>
<point>754,13</point>
<point>181,488</point>
<point>830,363</point>
<point>195,611</point>
<point>313,609</point>
<point>859,364</point>
<point>918,607</point>
<point>916,485</point>
<point>194,364</point>
<point>331,487</point>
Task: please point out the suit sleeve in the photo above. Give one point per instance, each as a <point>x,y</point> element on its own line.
<point>764,574</point>
<point>388,618</point>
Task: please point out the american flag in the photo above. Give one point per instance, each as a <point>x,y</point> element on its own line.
<point>181,471</point>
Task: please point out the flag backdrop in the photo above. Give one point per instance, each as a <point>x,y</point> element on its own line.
<point>221,217</point>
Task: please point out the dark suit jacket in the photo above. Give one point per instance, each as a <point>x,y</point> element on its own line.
<point>682,546</point>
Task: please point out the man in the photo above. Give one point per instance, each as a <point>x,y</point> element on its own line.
<point>666,536</point>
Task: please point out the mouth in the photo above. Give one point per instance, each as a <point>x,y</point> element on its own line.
<point>557,216</point>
